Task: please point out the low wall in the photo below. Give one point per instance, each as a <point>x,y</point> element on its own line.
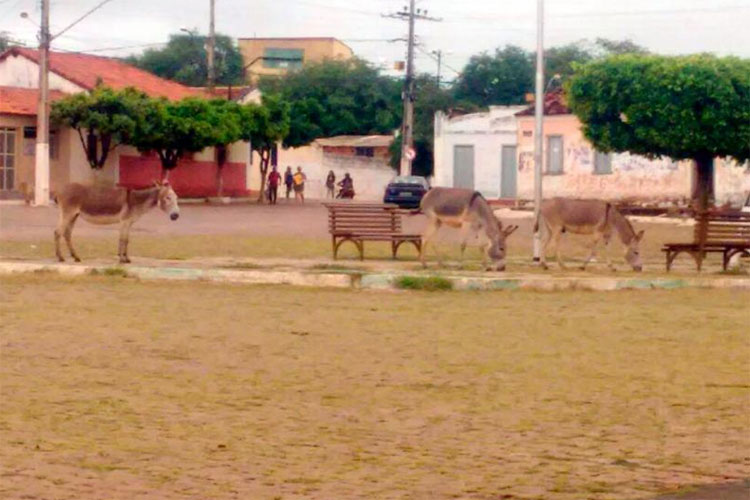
<point>191,178</point>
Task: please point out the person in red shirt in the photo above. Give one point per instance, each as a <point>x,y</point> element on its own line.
<point>273,185</point>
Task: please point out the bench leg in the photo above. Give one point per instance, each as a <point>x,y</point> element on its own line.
<point>394,248</point>
<point>335,247</point>
<point>361,246</point>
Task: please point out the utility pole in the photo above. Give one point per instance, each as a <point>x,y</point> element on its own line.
<point>439,55</point>
<point>210,50</point>
<point>538,128</point>
<point>407,127</point>
<point>41,158</point>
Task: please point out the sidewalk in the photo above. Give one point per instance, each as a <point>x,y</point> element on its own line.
<point>378,275</point>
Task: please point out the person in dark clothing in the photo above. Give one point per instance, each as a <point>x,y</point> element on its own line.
<point>331,184</point>
<point>288,181</point>
<point>273,186</point>
<point>347,187</point>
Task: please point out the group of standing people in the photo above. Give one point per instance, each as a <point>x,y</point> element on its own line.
<point>295,181</point>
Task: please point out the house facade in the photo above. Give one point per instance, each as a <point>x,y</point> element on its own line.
<point>478,151</point>
<point>364,158</point>
<point>571,165</point>
<point>72,73</point>
<point>276,56</point>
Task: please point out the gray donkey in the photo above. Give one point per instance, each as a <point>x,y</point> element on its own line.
<point>595,217</point>
<point>468,210</point>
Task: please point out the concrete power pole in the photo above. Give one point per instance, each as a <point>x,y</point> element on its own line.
<point>407,126</point>
<point>210,50</point>
<point>538,128</point>
<point>41,158</point>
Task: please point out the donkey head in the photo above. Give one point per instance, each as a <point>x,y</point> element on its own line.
<point>497,248</point>
<point>168,199</point>
<point>633,253</point>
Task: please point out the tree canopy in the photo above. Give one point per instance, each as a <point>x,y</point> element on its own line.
<point>695,107</point>
<point>171,129</point>
<point>337,97</point>
<point>506,76</point>
<point>265,125</point>
<point>104,119</point>
<point>681,107</point>
<point>183,59</point>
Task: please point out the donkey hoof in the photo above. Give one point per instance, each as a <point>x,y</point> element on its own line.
<point>77,259</point>
<point>124,260</point>
<point>60,259</point>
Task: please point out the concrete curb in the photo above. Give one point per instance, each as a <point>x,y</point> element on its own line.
<point>375,280</point>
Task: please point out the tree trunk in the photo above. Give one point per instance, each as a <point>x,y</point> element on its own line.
<point>221,158</point>
<point>703,195</point>
<point>265,159</point>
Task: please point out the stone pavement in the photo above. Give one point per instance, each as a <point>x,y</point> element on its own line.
<point>379,275</point>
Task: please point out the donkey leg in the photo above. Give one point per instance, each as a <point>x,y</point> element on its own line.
<point>68,234</point>
<point>123,243</point>
<point>545,240</point>
<point>465,231</point>
<point>611,266</point>
<point>592,254</point>
<point>58,233</point>
<point>558,249</point>
<point>429,233</point>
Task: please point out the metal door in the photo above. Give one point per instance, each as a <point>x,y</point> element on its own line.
<point>508,172</point>
<point>463,167</point>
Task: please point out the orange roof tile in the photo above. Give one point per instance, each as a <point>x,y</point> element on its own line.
<point>554,104</point>
<point>86,70</point>
<point>22,101</point>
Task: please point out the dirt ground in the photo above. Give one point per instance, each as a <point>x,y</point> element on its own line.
<point>289,230</point>
<point>119,389</point>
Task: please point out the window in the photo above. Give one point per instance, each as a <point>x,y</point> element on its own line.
<point>554,154</point>
<point>602,163</point>
<point>29,142</point>
<point>283,58</point>
<point>369,152</point>
<point>7,158</point>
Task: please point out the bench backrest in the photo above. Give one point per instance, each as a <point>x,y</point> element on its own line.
<point>723,227</point>
<point>369,218</point>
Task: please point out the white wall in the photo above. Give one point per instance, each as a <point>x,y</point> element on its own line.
<point>17,71</point>
<point>488,132</point>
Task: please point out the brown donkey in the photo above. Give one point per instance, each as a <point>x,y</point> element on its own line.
<point>596,217</point>
<point>110,205</point>
<point>469,211</point>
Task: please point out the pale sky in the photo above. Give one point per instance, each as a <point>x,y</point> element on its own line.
<point>468,27</point>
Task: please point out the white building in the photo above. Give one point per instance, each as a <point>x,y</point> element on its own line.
<point>478,151</point>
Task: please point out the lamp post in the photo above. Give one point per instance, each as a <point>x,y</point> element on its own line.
<point>538,128</point>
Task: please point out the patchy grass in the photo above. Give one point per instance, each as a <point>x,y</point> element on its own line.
<point>109,271</point>
<point>427,283</point>
<point>118,388</point>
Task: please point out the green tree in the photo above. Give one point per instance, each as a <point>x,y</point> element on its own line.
<point>183,59</point>
<point>7,41</point>
<point>171,129</point>
<point>561,60</point>
<point>104,119</point>
<point>265,126</point>
<point>501,78</point>
<point>336,97</point>
<point>689,107</point>
<point>429,98</point>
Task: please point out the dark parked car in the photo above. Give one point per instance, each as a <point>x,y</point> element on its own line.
<point>406,191</point>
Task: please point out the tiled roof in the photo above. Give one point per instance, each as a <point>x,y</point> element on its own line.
<point>554,104</point>
<point>86,71</point>
<point>357,141</point>
<point>21,101</point>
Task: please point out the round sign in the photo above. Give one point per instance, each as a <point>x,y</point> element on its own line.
<point>411,154</point>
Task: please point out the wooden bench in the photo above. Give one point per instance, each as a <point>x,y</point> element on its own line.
<point>359,222</point>
<point>724,232</point>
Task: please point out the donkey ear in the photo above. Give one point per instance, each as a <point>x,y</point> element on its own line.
<point>639,236</point>
<point>510,230</point>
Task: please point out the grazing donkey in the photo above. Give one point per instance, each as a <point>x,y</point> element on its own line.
<point>110,205</point>
<point>596,217</point>
<point>468,210</point>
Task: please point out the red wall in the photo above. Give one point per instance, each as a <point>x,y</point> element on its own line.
<point>190,179</point>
